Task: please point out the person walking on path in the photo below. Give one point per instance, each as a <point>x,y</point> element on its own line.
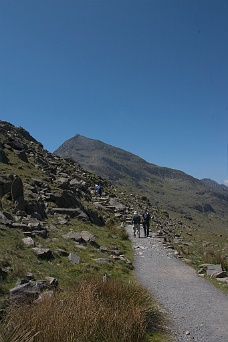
<point>136,220</point>
<point>146,222</point>
<point>98,189</point>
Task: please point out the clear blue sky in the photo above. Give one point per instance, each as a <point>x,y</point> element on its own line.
<point>148,76</point>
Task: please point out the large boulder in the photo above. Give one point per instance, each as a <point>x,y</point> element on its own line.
<point>6,219</point>
<point>43,253</point>
<point>28,242</point>
<point>17,194</point>
<point>23,292</point>
<point>3,158</point>
<point>117,205</point>
<point>74,258</point>
<point>5,184</point>
<point>22,156</point>
<point>36,208</point>
<point>75,236</point>
<point>66,199</point>
<point>95,217</point>
<point>30,289</point>
<point>87,236</point>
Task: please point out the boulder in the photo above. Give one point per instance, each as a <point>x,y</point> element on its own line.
<point>3,158</point>
<point>3,274</point>
<point>35,208</point>
<point>73,236</point>
<point>43,253</point>
<point>118,206</point>
<point>5,185</point>
<point>22,156</point>
<point>212,269</point>
<point>53,282</point>
<point>30,289</point>
<point>16,144</point>
<point>102,260</point>
<point>87,236</point>
<point>6,219</point>
<point>66,199</point>
<point>20,204</point>
<point>61,252</point>
<point>95,218</point>
<point>26,291</point>
<point>17,194</point>
<point>42,233</point>
<point>28,242</point>
<point>74,258</point>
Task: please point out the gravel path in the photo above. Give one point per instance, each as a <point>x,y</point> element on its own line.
<point>199,311</point>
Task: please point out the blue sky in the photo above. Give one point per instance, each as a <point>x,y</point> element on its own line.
<point>150,77</point>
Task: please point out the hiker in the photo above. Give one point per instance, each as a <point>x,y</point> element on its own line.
<point>136,223</point>
<point>100,190</point>
<point>96,188</point>
<point>146,222</point>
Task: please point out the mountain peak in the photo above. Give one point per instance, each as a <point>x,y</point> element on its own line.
<point>172,189</point>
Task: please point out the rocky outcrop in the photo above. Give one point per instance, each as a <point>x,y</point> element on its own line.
<point>29,289</point>
<point>3,158</point>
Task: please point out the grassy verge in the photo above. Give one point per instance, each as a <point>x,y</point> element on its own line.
<point>92,310</point>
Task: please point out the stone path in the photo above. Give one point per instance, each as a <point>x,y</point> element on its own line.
<point>198,311</point>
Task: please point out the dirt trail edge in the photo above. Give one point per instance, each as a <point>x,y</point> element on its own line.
<point>197,310</point>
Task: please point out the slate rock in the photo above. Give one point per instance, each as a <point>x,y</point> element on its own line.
<point>26,291</point>
<point>102,260</point>
<point>74,258</point>
<point>87,236</point>
<point>28,241</point>
<point>73,236</point>
<point>213,269</point>
<point>22,156</point>
<point>61,252</point>
<point>43,253</point>
<point>17,189</point>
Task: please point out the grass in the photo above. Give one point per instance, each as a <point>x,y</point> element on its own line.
<point>21,259</point>
<point>89,311</point>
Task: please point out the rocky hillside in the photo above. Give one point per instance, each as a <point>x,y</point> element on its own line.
<point>55,230</point>
<point>170,189</point>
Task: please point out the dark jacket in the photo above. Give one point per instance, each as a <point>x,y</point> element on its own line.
<point>146,217</point>
<point>136,219</point>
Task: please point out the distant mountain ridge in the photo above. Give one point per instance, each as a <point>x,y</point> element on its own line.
<point>112,162</point>
<point>214,185</point>
<point>171,189</point>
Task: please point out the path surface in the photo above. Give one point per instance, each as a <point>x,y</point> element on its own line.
<point>198,310</point>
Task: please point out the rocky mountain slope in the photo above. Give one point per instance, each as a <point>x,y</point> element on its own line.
<point>173,190</point>
<point>54,228</point>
